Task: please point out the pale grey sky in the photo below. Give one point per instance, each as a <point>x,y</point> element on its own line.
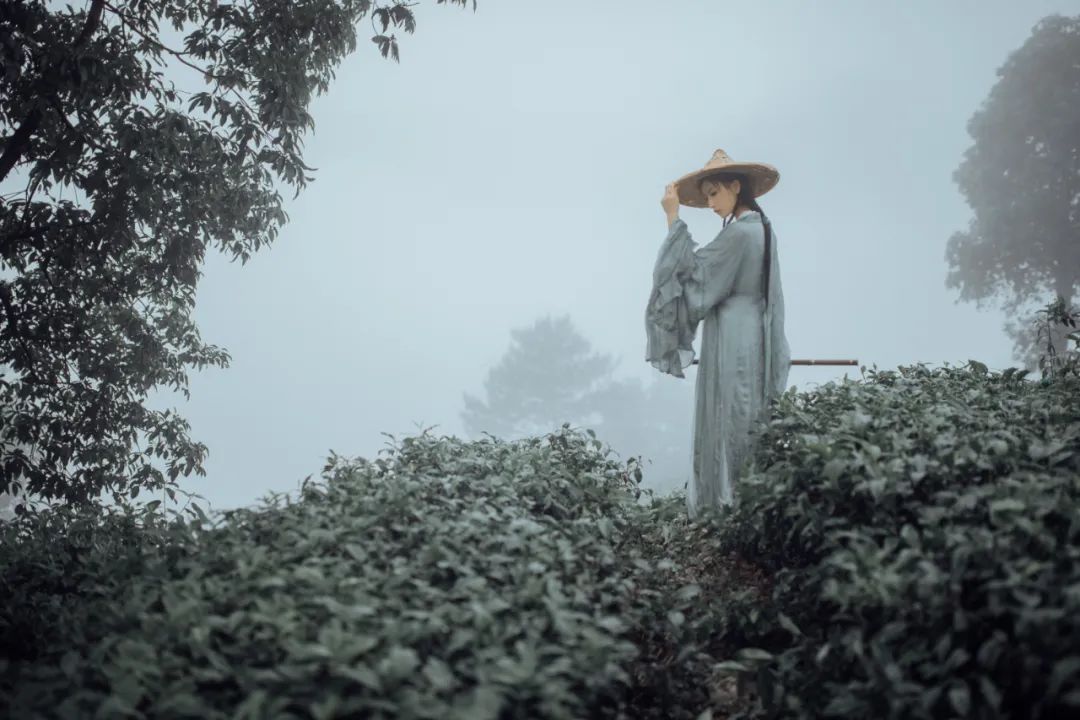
<point>512,166</point>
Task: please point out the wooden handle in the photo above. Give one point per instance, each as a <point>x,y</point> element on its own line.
<point>816,362</point>
<point>824,362</point>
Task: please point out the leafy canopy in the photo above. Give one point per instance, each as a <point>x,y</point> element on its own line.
<point>1021,177</point>
<point>136,135</point>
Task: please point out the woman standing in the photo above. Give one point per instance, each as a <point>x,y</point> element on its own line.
<point>732,286</point>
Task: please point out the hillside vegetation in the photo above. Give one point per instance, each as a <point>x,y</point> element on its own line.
<point>906,545</point>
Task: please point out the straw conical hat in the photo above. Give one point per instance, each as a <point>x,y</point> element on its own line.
<point>762,178</point>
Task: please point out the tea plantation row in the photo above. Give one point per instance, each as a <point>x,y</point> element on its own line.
<point>905,546</point>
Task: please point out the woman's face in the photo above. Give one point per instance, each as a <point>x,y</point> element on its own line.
<point>721,196</point>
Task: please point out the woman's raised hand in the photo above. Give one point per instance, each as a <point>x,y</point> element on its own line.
<point>670,202</point>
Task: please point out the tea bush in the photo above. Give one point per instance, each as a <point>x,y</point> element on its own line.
<point>442,580</point>
<point>922,530</point>
<point>904,546</point>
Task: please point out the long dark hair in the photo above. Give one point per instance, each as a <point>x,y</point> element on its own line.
<point>746,199</point>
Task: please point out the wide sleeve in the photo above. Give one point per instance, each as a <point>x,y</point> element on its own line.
<point>687,283</point>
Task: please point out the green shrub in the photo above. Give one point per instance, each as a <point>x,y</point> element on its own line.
<point>906,546</point>
<point>442,580</point>
<point>1057,322</point>
<point>922,528</point>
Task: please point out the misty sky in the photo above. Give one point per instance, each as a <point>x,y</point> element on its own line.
<point>512,166</point>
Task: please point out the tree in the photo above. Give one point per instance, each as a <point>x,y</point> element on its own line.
<point>122,181</point>
<point>550,376</point>
<point>547,377</point>
<point>1021,178</point>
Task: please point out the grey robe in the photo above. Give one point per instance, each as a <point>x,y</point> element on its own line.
<point>745,356</point>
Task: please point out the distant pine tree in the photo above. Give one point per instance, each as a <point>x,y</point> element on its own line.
<point>550,375</point>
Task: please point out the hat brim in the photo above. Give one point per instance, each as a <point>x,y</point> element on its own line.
<point>762,179</point>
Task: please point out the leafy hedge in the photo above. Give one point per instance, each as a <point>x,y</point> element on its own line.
<point>906,546</point>
<point>442,580</point>
<point>922,530</point>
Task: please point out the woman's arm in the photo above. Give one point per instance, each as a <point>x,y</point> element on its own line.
<point>687,283</point>
<point>670,203</point>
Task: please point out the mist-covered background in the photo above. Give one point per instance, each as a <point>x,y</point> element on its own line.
<point>511,167</point>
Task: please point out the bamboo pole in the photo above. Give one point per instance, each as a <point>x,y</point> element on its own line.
<point>825,362</point>
<point>815,362</point>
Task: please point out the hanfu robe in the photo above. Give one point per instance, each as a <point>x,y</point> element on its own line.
<point>745,356</point>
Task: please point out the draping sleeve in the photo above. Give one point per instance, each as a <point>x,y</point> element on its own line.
<point>687,283</point>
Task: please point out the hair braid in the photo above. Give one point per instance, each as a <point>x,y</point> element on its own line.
<point>766,269</point>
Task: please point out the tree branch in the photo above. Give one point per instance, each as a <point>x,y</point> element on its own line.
<point>20,141</point>
<point>93,19</point>
<point>55,102</point>
<point>126,22</point>
<point>181,56</point>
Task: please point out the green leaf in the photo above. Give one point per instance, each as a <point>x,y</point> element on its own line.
<point>688,592</point>
<point>399,662</point>
<point>843,705</point>
<point>754,655</point>
<point>438,673</point>
<point>180,704</point>
<point>834,468</point>
<point>788,624</point>
<point>960,699</point>
<point>69,664</point>
<point>1007,505</point>
<point>990,692</point>
<point>483,703</point>
<point>731,666</point>
<point>1065,671</point>
<point>361,674</point>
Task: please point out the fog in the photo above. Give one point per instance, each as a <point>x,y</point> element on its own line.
<point>511,166</point>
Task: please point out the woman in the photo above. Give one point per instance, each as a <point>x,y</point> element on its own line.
<point>731,286</point>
